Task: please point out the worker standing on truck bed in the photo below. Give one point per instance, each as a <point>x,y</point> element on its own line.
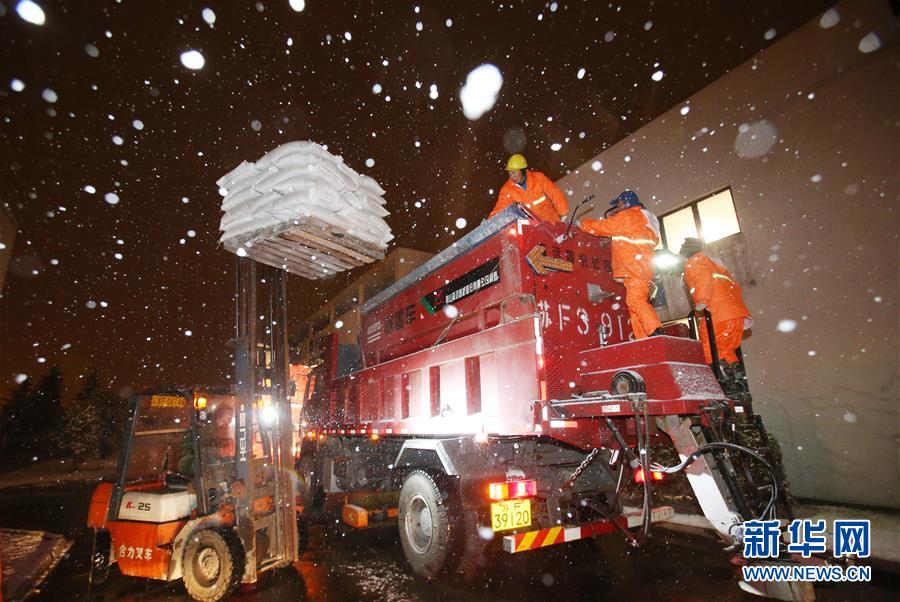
<point>713,287</point>
<point>532,189</point>
<point>635,234</point>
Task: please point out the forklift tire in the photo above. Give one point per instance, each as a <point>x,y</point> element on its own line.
<point>213,564</point>
<point>426,532</point>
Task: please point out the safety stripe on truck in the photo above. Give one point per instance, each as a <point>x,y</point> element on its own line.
<point>532,540</point>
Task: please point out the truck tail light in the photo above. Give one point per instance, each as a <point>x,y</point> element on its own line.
<point>654,475</point>
<point>511,490</point>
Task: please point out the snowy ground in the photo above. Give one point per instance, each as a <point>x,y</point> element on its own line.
<point>27,558</point>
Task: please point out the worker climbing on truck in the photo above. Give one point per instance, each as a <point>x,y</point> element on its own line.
<point>532,189</point>
<point>714,288</point>
<point>635,234</point>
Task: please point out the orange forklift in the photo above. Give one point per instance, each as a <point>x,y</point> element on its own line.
<point>204,489</point>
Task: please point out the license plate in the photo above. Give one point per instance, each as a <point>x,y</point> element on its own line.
<point>511,514</point>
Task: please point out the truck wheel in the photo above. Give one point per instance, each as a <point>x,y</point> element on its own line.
<point>302,534</point>
<point>213,564</point>
<point>310,493</point>
<point>425,529</point>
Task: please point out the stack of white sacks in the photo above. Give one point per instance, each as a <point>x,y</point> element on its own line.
<point>301,180</point>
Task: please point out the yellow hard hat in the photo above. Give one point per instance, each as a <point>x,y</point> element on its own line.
<point>516,162</point>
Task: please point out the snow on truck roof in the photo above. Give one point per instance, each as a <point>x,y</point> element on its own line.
<point>482,232</point>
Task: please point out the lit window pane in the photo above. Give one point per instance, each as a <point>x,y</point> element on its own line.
<point>678,226</point>
<point>717,216</point>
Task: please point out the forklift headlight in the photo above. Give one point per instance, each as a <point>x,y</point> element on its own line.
<point>267,416</point>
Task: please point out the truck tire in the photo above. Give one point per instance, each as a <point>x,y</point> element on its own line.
<point>310,493</point>
<point>213,564</point>
<point>302,534</point>
<point>425,526</point>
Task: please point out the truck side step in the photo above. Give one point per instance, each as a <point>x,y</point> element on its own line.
<point>361,518</point>
<point>532,540</point>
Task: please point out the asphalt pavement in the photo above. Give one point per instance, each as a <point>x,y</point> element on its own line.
<point>344,565</point>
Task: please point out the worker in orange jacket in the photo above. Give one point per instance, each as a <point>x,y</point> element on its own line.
<point>635,234</point>
<point>532,189</point>
<point>714,288</point>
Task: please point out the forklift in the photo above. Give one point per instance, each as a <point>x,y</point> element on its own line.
<point>204,491</point>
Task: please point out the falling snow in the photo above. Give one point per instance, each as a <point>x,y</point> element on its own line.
<point>830,18</point>
<point>192,59</point>
<point>870,43</point>
<point>479,93</point>
<point>787,325</point>
<point>31,12</point>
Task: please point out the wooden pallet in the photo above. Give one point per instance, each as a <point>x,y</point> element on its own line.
<point>307,247</point>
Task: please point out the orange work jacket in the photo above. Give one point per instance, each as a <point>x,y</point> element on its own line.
<point>633,242</point>
<point>541,196</point>
<point>712,285</point>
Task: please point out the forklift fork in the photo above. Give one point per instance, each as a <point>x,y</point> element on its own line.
<point>101,556</point>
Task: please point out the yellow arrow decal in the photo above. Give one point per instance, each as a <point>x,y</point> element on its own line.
<point>540,263</point>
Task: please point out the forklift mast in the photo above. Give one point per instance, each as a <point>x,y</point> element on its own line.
<point>265,509</point>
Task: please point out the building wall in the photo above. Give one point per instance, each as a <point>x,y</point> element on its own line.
<point>344,307</point>
<point>819,207</point>
<point>8,230</point>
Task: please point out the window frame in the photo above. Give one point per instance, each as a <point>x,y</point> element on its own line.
<point>695,212</point>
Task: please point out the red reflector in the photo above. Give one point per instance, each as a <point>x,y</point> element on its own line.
<point>654,475</point>
<point>510,490</point>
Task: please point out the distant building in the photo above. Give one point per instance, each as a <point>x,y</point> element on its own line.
<point>789,164</point>
<point>8,228</point>
<point>341,314</point>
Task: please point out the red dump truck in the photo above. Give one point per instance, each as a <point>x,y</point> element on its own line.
<point>503,401</point>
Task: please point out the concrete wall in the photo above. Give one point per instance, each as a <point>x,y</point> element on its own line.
<point>806,135</point>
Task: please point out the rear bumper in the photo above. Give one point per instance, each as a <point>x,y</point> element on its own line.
<point>532,540</point>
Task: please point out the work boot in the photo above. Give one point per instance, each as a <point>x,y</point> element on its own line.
<point>740,380</point>
<point>725,371</point>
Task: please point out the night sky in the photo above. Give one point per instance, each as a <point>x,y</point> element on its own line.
<point>141,290</point>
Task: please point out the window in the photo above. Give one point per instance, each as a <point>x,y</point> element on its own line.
<point>710,218</point>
